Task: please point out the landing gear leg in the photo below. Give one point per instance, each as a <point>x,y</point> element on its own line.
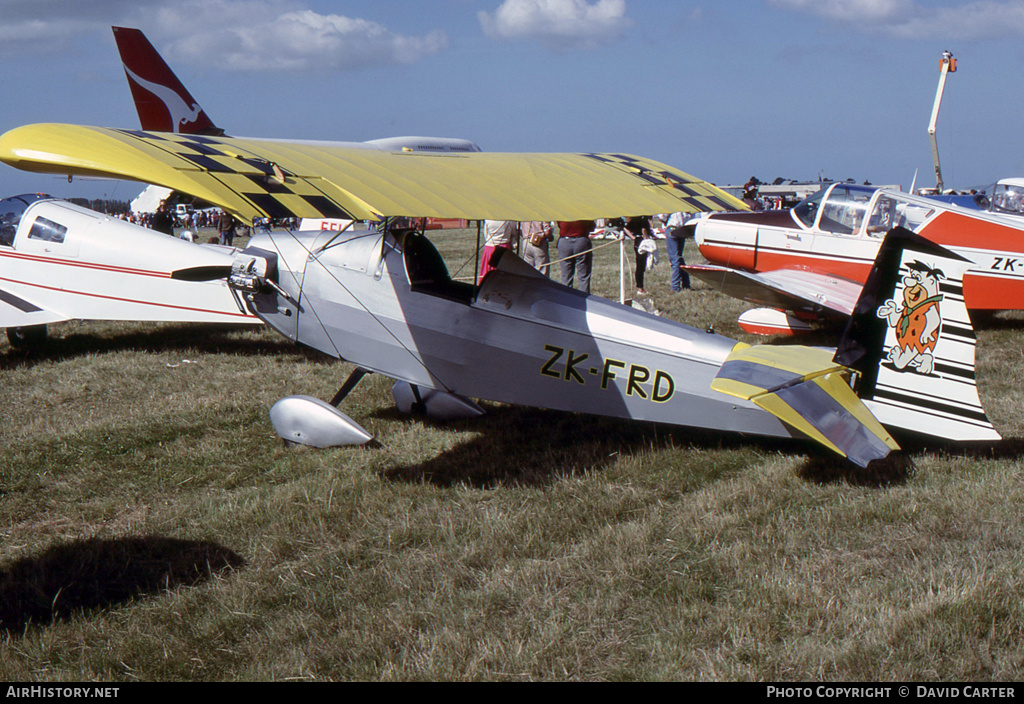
<point>354,378</point>
<point>419,406</point>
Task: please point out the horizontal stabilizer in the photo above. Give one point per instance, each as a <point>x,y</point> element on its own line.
<point>803,387</point>
<point>771,321</point>
<point>786,289</point>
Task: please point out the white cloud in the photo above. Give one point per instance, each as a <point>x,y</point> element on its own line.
<point>860,11</point>
<point>277,35</point>
<point>558,24</point>
<point>907,19</point>
<point>39,27</point>
<point>257,35</point>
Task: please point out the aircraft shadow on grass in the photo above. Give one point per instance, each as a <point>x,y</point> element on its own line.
<point>516,446</point>
<point>997,320</point>
<point>161,337</point>
<point>87,575</point>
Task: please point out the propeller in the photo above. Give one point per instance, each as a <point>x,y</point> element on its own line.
<point>202,273</point>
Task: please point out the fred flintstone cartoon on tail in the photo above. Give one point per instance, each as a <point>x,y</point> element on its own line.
<point>917,320</point>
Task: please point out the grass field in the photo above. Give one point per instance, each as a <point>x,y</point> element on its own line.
<point>154,528</point>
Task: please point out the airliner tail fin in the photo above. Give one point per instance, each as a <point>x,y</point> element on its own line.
<point>163,103</point>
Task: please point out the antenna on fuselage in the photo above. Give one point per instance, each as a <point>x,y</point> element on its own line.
<point>947,65</point>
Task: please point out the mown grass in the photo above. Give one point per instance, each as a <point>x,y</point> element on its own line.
<point>154,528</point>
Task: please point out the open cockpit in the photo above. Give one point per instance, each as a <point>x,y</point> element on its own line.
<point>427,271</point>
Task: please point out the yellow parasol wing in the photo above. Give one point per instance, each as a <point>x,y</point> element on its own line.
<point>278,178</point>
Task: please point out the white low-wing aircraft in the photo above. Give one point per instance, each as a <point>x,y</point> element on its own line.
<point>384,300</point>
<point>59,261</point>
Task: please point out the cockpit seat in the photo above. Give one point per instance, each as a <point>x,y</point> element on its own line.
<point>427,271</point>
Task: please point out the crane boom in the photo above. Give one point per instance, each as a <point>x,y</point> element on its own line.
<point>947,65</point>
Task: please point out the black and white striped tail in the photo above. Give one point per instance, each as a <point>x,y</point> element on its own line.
<point>931,390</point>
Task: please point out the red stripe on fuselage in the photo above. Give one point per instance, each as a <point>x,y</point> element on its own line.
<point>124,300</point>
<point>773,259</point>
<point>80,264</point>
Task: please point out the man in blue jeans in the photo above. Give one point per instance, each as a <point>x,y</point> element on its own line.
<point>675,238</point>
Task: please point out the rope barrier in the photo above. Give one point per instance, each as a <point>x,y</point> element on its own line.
<point>593,248</point>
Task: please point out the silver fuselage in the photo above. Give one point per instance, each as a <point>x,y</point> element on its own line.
<point>387,305</point>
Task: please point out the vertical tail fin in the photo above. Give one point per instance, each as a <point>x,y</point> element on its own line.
<point>163,103</point>
<point>911,340</point>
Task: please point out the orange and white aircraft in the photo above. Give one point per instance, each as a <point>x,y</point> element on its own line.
<point>813,259</point>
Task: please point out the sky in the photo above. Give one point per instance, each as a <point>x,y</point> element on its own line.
<point>797,89</point>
